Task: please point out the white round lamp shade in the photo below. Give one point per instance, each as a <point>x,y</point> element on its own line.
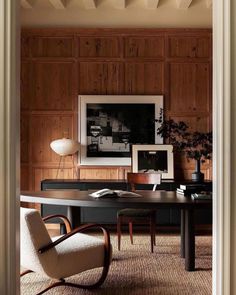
<point>64,146</point>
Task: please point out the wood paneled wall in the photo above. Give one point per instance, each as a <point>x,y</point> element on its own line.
<point>59,64</point>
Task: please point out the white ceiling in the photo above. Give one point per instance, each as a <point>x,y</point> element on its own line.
<point>117,13</point>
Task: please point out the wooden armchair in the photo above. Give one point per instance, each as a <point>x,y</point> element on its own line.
<point>64,256</point>
<point>131,215</point>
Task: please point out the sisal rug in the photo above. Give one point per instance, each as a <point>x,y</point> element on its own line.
<point>136,271</point>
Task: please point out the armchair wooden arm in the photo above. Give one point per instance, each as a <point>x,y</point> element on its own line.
<point>63,218</point>
<point>76,230</point>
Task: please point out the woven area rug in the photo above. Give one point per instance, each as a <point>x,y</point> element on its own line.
<point>136,271</point>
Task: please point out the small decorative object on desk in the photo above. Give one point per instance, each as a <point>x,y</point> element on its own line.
<point>188,189</point>
<point>202,186</point>
<point>202,196</point>
<point>113,193</point>
<point>187,192</point>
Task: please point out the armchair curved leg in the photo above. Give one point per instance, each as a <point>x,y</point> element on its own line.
<point>62,282</point>
<point>94,285</point>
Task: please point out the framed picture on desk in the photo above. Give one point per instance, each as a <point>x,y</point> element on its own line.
<point>153,158</point>
<point>110,124</point>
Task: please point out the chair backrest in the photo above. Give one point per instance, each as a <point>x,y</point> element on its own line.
<point>143,178</point>
<point>33,236</point>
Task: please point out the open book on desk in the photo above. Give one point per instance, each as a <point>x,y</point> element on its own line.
<point>113,193</point>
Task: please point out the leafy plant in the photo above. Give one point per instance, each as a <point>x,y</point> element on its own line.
<point>196,145</point>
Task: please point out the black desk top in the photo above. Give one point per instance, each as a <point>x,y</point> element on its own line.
<point>115,181</point>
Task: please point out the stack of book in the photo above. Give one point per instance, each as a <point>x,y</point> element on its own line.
<point>191,188</point>
<point>202,196</point>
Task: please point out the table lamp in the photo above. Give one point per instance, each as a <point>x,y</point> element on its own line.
<point>65,147</point>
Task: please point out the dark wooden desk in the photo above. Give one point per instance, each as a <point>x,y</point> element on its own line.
<point>169,217</point>
<point>149,199</point>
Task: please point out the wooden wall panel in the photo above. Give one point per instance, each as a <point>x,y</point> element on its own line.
<point>99,47</point>
<point>100,77</point>
<point>25,85</point>
<point>25,46</point>
<point>59,64</point>
<point>145,47</point>
<point>24,177</point>
<point>44,129</point>
<point>99,173</point>
<point>189,47</point>
<point>24,138</point>
<point>52,47</point>
<point>144,78</point>
<point>52,85</point>
<point>40,173</point>
<point>189,86</point>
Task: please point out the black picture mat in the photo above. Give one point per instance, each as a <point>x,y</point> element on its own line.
<point>134,124</point>
<point>153,160</point>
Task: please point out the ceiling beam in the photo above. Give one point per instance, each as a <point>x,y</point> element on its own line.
<point>90,4</point>
<point>58,4</point>
<point>151,4</point>
<point>183,4</point>
<point>27,4</point>
<point>209,3</point>
<point>119,4</point>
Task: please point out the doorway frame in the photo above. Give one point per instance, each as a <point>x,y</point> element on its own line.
<point>9,147</point>
<point>222,144</point>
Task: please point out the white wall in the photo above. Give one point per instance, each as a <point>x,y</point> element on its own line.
<point>167,15</point>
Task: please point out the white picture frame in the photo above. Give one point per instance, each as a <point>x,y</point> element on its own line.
<point>147,158</point>
<point>115,101</point>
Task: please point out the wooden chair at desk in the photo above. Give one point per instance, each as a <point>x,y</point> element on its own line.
<point>130,215</point>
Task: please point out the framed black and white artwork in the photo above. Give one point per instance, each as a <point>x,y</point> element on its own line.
<point>110,124</point>
<point>157,158</point>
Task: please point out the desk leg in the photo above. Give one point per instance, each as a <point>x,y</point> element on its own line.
<point>189,240</point>
<point>182,234</point>
<point>73,214</point>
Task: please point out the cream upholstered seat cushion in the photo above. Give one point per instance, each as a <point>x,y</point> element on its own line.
<point>74,255</point>
<point>78,253</point>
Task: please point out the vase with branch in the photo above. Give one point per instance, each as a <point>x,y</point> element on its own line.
<point>195,145</point>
